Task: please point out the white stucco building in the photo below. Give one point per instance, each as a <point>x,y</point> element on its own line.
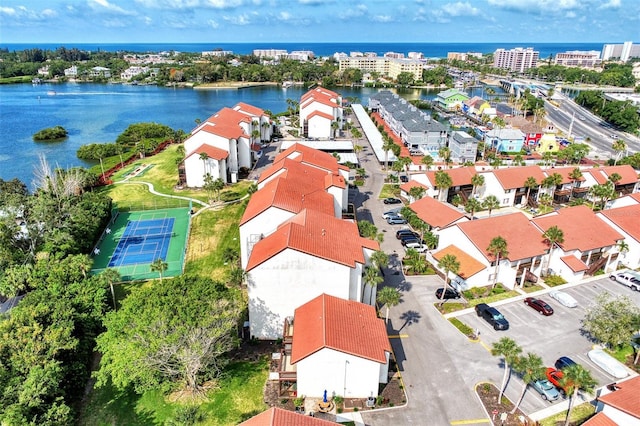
<point>320,108</point>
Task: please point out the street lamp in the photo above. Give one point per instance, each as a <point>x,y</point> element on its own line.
<point>346,362</point>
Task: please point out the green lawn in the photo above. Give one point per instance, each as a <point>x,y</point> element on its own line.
<point>237,398</point>
<point>579,415</point>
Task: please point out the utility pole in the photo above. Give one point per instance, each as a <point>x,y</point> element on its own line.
<point>571,125</point>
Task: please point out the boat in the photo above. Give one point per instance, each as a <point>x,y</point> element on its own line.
<point>287,84</point>
<point>51,92</point>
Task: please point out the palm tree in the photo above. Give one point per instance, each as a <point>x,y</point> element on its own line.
<point>538,115</point>
<point>334,127</point>
<point>509,350</point>
<point>390,297</point>
<point>159,266</point>
<point>530,368</point>
<point>498,248</point>
<point>372,278</point>
<point>619,146</point>
<point>443,182</point>
<point>490,203</point>
<point>379,259</point>
<point>576,378</point>
<point>415,262</point>
<point>387,145</point>
<point>449,263</point>
<point>476,180</point>
<point>553,237</point>
<point>445,153</point>
<point>530,183</point>
<point>111,276</point>
<point>417,192</point>
<point>427,160</point>
<point>357,148</point>
<point>472,206</point>
<point>204,157</point>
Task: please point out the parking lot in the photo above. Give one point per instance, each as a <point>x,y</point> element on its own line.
<point>550,337</point>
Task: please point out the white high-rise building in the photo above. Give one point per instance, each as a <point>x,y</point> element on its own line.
<point>517,60</point>
<point>624,51</point>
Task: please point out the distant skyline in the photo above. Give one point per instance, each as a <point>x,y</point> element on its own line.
<point>281,21</point>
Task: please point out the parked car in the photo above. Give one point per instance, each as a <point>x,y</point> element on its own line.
<point>420,248</point>
<point>415,152</point>
<point>392,201</point>
<point>539,305</point>
<point>554,376</point>
<point>627,279</point>
<point>405,231</point>
<point>608,363</point>
<point>545,388</point>
<point>404,178</point>
<point>410,240</point>
<point>396,220</point>
<point>492,316</point>
<point>390,213</point>
<point>564,298</point>
<point>564,362</point>
<point>449,294</point>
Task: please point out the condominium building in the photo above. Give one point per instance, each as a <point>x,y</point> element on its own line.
<point>624,51</point>
<point>270,53</point>
<point>458,56</point>
<point>578,58</point>
<point>389,67</point>
<point>517,60</point>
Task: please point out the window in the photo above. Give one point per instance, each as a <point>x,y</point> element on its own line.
<point>505,201</point>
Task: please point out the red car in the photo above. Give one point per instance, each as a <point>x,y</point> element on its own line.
<point>554,376</point>
<point>539,305</point>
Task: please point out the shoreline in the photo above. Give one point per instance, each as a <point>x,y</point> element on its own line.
<point>234,85</point>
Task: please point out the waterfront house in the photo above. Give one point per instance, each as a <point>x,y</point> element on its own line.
<point>339,346</point>
<point>463,147</point>
<point>309,254</point>
<point>451,99</point>
<point>321,113</point>
<point>504,140</point>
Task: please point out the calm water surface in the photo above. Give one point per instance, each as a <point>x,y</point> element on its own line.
<point>98,113</point>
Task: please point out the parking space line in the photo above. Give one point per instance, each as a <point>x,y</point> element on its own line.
<point>484,345</point>
<point>469,422</point>
<point>398,336</point>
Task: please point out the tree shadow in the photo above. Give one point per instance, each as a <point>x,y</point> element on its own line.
<point>409,317</point>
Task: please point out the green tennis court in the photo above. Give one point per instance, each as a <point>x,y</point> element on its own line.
<point>133,240</point>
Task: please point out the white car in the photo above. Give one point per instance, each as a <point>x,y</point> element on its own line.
<point>420,248</point>
<point>564,298</point>
<point>608,363</point>
<point>391,213</point>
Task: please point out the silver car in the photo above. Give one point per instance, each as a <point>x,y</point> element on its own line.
<point>564,298</point>
<point>546,390</point>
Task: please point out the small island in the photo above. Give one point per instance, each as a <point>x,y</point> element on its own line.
<point>51,134</point>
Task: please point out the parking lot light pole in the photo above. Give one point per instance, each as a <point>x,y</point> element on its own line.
<point>346,362</point>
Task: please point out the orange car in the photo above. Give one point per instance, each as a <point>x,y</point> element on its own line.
<point>555,376</point>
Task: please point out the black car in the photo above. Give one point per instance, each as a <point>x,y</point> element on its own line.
<point>449,294</point>
<point>392,201</point>
<point>404,178</point>
<point>492,316</point>
<point>564,362</point>
<point>401,232</point>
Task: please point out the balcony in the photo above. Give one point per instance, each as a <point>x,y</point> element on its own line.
<point>281,370</point>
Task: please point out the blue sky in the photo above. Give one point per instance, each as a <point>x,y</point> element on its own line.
<point>209,21</point>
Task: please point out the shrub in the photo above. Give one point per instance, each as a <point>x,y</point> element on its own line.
<point>51,134</point>
<point>464,329</point>
<point>338,399</point>
<point>554,280</point>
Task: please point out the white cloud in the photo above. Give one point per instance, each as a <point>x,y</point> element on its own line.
<point>213,24</point>
<point>535,6</point>
<point>238,19</point>
<point>23,14</point>
<point>382,18</point>
<point>358,11</point>
<point>191,4</point>
<point>8,11</point>
<point>223,4</point>
<point>284,16</point>
<point>460,9</point>
<point>104,5</point>
<point>611,4</point>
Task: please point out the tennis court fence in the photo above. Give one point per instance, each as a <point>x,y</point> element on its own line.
<point>164,203</point>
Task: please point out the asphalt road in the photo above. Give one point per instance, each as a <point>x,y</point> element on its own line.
<point>588,125</point>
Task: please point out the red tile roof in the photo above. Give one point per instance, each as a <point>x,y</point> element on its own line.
<point>575,264</point>
<point>292,169</point>
<point>342,325</point>
<point>406,187</point>
<point>311,156</point>
<point>625,398</point>
<point>229,116</point>
<point>627,218</point>
<point>292,195</point>
<point>275,416</point>
<point>316,234</point>
<point>600,419</point>
<point>435,213</point>
<point>211,151</point>
<point>628,174</point>
<point>469,266</point>
<point>227,131</point>
<point>582,229</point>
<point>320,114</point>
<point>249,109</point>
<point>459,176</point>
<point>564,172</point>
<point>635,196</point>
<point>514,177</point>
<point>524,239</point>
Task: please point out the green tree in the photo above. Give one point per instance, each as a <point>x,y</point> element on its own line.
<point>415,262</point>
<point>472,206</point>
<point>509,350</point>
<point>553,237</point>
<point>390,297</point>
<point>530,183</point>
<point>157,339</point>
<point>367,229</point>
<point>498,248</point>
<point>491,203</point>
<point>445,153</point>
<point>612,321</point>
<point>372,278</point>
<point>530,368</point>
<point>449,263</point>
<point>379,259</point>
<point>387,145</point>
<point>576,378</point>
<point>417,192</point>
<point>443,182</point>
<point>427,160</point>
<point>619,146</point>
<point>477,180</point>
<point>159,266</point>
